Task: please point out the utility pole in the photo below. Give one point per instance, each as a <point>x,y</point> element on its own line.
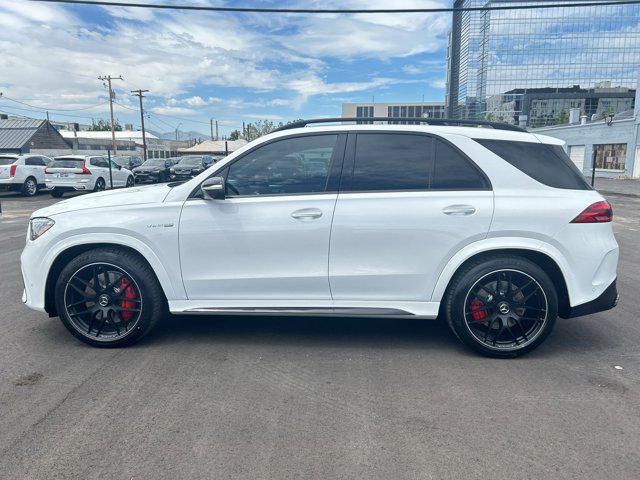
<point>211,127</point>
<point>108,79</point>
<point>139,93</point>
<point>217,137</point>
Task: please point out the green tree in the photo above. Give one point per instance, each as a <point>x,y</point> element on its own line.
<point>104,126</point>
<point>262,127</point>
<point>235,135</point>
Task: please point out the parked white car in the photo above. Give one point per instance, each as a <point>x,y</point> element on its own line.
<point>492,229</point>
<point>23,173</point>
<point>80,172</point>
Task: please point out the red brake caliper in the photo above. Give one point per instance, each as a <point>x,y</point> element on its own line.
<point>129,292</point>
<point>477,305</point>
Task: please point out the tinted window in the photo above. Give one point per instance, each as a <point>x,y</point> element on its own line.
<point>292,165</point>
<point>455,172</point>
<point>34,161</point>
<point>100,162</point>
<point>548,164</point>
<point>391,162</point>
<point>7,160</point>
<point>66,163</point>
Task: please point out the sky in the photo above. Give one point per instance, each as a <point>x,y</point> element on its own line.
<point>226,66</point>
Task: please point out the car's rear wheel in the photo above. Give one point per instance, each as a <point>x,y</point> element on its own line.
<point>29,187</point>
<point>100,185</point>
<point>56,193</point>
<point>130,181</point>
<point>109,297</point>
<point>502,306</point>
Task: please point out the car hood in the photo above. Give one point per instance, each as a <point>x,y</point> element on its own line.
<point>108,198</point>
<point>147,169</point>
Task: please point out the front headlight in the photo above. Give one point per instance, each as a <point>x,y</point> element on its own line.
<point>39,225</point>
<point>172,170</point>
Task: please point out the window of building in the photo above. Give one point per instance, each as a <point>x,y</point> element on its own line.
<point>287,166</point>
<point>392,162</point>
<point>611,156</point>
<point>366,112</point>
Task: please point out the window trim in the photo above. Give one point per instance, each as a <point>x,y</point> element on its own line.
<point>350,156</point>
<point>336,165</point>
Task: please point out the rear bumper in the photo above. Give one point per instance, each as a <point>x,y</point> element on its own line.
<point>606,301</point>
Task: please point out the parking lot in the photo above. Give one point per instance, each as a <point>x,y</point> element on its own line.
<point>238,397</point>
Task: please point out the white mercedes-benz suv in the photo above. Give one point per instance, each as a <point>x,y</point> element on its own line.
<point>492,229</point>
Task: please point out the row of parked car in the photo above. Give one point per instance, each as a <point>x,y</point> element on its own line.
<point>28,173</point>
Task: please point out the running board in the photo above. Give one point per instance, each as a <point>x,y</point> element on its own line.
<point>358,311</point>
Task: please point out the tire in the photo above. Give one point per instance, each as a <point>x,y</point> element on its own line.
<point>29,187</point>
<point>502,306</point>
<point>100,185</point>
<point>139,293</point>
<point>130,182</point>
<point>56,193</point>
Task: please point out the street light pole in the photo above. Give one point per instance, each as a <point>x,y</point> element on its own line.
<point>139,93</point>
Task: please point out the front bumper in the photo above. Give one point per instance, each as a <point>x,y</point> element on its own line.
<point>606,301</point>
<point>181,176</point>
<point>146,177</point>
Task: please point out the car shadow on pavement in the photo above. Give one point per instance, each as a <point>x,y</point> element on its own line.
<point>307,331</point>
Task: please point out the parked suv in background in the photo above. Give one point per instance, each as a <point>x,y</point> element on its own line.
<point>190,166</point>
<point>154,170</point>
<point>23,173</point>
<point>492,229</point>
<point>128,161</point>
<point>86,173</point>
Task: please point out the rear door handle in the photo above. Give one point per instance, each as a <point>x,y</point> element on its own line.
<point>307,214</point>
<point>459,210</point>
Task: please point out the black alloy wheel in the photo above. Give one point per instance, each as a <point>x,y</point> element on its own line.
<point>103,301</point>
<point>109,297</point>
<point>502,306</point>
<point>130,182</point>
<point>506,309</point>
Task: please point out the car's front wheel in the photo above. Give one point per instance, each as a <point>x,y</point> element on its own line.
<point>108,297</point>
<point>502,306</point>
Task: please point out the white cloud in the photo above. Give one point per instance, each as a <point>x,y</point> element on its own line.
<point>169,110</point>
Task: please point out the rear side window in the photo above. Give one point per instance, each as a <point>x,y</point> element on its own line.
<point>392,162</point>
<point>100,162</point>
<point>35,161</point>
<point>547,164</point>
<point>66,163</point>
<point>453,171</point>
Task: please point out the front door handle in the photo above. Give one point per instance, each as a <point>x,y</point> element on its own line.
<point>459,210</point>
<point>307,214</point>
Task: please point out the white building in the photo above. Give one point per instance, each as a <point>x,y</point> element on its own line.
<point>394,109</point>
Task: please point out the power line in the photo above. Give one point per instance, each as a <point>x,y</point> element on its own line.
<point>55,109</point>
<point>340,10</point>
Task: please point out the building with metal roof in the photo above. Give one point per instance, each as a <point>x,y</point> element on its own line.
<point>27,135</point>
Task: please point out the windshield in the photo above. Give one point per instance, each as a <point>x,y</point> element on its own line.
<point>66,163</point>
<point>155,162</point>
<point>191,161</point>
<point>7,160</point>
<point>122,161</point>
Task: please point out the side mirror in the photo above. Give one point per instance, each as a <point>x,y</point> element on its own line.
<point>213,188</point>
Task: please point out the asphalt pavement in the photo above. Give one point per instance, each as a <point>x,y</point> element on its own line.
<point>275,398</point>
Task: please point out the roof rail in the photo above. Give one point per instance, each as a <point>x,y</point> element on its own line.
<point>427,121</point>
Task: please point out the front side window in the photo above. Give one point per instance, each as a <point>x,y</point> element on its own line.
<point>389,161</point>
<point>292,165</point>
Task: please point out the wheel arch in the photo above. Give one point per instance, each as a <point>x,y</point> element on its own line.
<point>547,262</point>
<point>70,252</point>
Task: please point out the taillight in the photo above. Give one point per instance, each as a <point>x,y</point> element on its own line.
<point>12,170</point>
<point>46,170</point>
<point>85,171</point>
<point>599,212</point>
